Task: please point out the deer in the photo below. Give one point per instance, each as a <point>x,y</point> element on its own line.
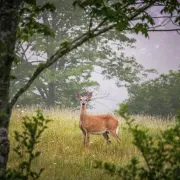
<point>104,124</point>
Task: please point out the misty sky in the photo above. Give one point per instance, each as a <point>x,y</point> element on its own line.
<point>161,52</point>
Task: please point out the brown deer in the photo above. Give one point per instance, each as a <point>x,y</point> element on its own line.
<point>96,124</point>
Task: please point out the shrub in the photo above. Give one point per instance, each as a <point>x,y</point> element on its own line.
<point>33,127</point>
<point>161,154</point>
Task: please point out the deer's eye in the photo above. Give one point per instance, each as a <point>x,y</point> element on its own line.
<point>80,99</point>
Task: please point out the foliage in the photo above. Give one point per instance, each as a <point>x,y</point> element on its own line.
<point>161,154</point>
<point>97,18</point>
<point>33,127</point>
<point>57,85</point>
<point>109,16</point>
<point>159,96</point>
<point>29,24</point>
<point>67,23</point>
<point>123,12</point>
<point>66,82</point>
<point>62,151</point>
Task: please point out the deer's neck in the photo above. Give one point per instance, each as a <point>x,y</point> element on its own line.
<point>83,113</point>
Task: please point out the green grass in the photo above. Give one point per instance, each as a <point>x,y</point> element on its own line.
<point>63,155</point>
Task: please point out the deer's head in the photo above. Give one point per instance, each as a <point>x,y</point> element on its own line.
<point>83,99</point>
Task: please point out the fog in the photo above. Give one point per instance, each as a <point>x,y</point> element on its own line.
<point>161,51</point>
<point>72,72</point>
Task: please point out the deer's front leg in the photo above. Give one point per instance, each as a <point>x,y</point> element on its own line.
<point>84,137</point>
<point>84,133</point>
<point>87,140</point>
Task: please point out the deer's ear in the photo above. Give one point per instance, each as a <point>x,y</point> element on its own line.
<point>77,95</point>
<point>89,95</point>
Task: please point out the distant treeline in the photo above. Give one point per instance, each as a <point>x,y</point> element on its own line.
<point>160,96</point>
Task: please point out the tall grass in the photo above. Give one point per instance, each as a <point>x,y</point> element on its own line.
<point>63,155</point>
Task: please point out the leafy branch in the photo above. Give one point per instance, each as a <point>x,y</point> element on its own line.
<point>33,127</point>
<point>67,47</point>
<point>160,154</point>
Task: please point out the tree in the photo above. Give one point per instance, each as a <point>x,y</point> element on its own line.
<point>50,89</point>
<point>59,76</point>
<point>159,96</point>
<point>103,16</point>
<point>66,81</point>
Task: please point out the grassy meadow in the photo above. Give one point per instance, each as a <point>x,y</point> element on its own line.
<point>61,146</point>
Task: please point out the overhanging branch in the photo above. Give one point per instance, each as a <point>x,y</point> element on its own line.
<point>61,52</point>
<point>165,30</point>
<point>100,29</point>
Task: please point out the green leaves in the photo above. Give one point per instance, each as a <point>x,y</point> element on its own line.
<point>126,69</point>
<point>31,2</point>
<point>12,77</point>
<point>130,14</point>
<point>122,25</point>
<point>143,28</point>
<point>156,97</point>
<point>123,109</point>
<point>161,154</point>
<point>123,15</point>
<point>30,23</point>
<point>33,127</point>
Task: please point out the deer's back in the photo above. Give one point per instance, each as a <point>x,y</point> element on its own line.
<point>99,123</point>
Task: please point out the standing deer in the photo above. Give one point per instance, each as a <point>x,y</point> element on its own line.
<point>96,124</point>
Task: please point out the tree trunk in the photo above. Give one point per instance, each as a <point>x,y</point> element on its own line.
<point>51,91</point>
<point>8,27</point>
<point>51,96</point>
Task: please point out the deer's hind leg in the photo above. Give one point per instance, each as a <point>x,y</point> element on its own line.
<point>106,137</point>
<point>115,135</point>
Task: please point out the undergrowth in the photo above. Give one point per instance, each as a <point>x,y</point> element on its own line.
<point>61,146</point>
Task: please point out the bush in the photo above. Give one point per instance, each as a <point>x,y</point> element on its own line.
<point>26,141</point>
<point>161,154</point>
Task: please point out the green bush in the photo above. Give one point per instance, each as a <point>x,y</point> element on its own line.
<point>161,155</point>
<point>26,141</point>
<point>156,97</point>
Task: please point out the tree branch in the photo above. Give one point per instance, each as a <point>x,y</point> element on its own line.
<point>61,52</point>
<point>178,32</point>
<point>174,22</point>
<point>165,30</point>
<point>159,17</point>
<point>164,23</point>
<point>68,48</point>
<point>24,52</point>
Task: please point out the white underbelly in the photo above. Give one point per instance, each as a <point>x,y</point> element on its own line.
<point>101,132</point>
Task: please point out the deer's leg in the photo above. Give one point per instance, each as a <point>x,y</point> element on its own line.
<point>84,136</point>
<point>84,140</point>
<point>106,137</point>
<point>114,134</point>
<point>87,140</point>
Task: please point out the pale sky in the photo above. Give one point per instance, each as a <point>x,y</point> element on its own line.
<point>161,52</point>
